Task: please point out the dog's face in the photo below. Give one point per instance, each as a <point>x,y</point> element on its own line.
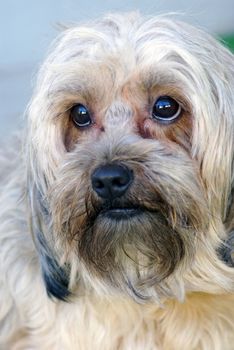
<point>130,152</point>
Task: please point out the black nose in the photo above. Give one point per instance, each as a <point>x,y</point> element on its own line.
<point>111,180</point>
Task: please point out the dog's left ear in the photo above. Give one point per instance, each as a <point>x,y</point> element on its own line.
<point>229,220</point>
<point>227,250</point>
<point>215,141</point>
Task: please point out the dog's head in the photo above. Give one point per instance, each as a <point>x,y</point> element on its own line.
<point>130,155</point>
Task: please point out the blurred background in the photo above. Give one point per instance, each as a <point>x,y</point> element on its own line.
<point>27,27</point>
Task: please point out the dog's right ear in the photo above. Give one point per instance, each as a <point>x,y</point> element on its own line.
<point>44,147</point>
<point>56,277</point>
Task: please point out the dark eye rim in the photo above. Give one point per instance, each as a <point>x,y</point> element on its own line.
<point>76,123</point>
<point>171,119</point>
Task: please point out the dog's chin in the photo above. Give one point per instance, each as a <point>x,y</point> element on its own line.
<point>131,248</point>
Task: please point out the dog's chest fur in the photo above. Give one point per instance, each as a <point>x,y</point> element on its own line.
<point>202,322</point>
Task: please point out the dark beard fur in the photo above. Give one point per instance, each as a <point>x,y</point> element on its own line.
<point>134,253</point>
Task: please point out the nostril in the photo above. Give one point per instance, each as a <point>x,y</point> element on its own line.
<point>98,184</point>
<point>119,182</point>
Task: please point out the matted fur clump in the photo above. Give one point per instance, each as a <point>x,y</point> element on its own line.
<point>116,221</point>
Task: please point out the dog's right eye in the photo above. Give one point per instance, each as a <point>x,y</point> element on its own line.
<point>80,116</point>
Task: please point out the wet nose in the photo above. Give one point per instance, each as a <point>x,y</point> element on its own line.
<point>111,180</point>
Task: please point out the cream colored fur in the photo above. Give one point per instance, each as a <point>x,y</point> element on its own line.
<point>199,314</point>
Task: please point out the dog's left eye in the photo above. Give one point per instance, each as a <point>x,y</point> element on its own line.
<point>80,115</point>
<point>166,109</point>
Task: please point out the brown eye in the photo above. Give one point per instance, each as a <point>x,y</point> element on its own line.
<point>166,109</point>
<point>80,116</point>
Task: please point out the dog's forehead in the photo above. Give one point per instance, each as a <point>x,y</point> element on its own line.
<point>125,46</point>
<point>127,37</point>
<point>99,62</point>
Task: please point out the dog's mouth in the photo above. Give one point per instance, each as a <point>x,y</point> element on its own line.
<point>121,213</point>
<point>124,209</point>
<point>119,210</point>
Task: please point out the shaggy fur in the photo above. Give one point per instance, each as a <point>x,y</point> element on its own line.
<point>72,276</point>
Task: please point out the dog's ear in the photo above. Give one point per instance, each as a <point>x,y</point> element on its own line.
<point>56,277</point>
<point>228,247</point>
<point>226,251</point>
<point>214,129</point>
<point>44,147</point>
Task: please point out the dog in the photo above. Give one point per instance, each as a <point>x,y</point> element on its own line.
<point>117,217</point>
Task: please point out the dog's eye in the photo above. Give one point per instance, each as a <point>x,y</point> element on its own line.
<point>80,115</point>
<point>166,109</point>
